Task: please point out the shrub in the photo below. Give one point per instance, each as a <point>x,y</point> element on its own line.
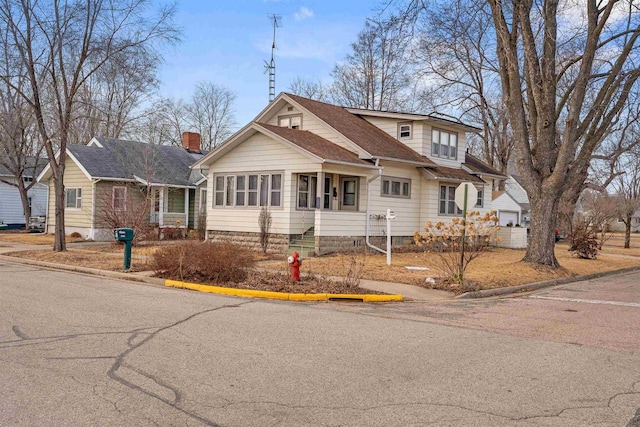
<point>75,235</point>
<point>446,240</point>
<point>206,262</point>
<point>584,242</point>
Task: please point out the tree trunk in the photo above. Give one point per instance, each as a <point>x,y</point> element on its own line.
<point>543,232</point>
<point>59,244</point>
<point>627,232</point>
<point>24,198</point>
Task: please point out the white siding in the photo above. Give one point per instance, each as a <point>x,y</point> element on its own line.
<point>431,198</point>
<point>515,191</point>
<point>340,223</point>
<point>11,205</point>
<point>503,204</point>
<point>390,126</point>
<point>258,154</point>
<point>462,147</point>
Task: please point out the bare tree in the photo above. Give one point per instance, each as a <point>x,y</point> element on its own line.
<point>210,113</point>
<point>61,45</point>
<point>312,89</point>
<point>19,148</point>
<point>375,75</point>
<point>456,54</point>
<point>627,189</point>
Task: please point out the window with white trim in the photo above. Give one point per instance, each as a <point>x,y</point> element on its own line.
<point>119,198</point>
<point>405,130</point>
<point>307,189</point>
<point>447,205</point>
<point>247,190</point>
<point>73,198</point>
<point>480,200</point>
<point>444,144</point>
<point>291,122</point>
<point>395,187</point>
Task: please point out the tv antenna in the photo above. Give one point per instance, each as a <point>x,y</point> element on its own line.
<point>270,67</point>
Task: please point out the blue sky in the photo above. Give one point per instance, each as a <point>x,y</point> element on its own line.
<point>227,42</point>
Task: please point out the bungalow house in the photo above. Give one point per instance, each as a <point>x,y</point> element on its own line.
<point>11,211</point>
<point>108,177</point>
<point>328,174</point>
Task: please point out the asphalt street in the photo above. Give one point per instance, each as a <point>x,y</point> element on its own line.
<point>84,350</point>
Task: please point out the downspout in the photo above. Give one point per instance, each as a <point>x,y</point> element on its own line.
<point>93,209</point>
<point>368,220</point>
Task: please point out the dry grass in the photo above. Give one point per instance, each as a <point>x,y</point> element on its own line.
<point>495,268</point>
<point>139,249</point>
<point>83,259</point>
<point>29,238</point>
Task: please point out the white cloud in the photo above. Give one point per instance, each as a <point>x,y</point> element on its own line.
<point>303,14</point>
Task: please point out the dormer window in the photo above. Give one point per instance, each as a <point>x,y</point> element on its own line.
<point>444,144</point>
<point>405,130</point>
<point>291,122</point>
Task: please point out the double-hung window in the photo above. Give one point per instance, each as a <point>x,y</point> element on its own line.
<point>118,198</point>
<point>480,201</point>
<point>248,190</point>
<point>396,187</point>
<point>73,198</point>
<point>447,205</point>
<point>404,130</point>
<point>444,144</point>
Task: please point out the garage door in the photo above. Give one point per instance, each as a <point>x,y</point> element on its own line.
<point>506,216</point>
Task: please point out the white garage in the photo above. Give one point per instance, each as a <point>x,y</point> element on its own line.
<point>507,209</point>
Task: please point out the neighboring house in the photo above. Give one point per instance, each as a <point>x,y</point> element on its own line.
<point>328,174</point>
<point>107,174</point>
<point>11,212</point>
<point>619,226</point>
<point>508,211</point>
<point>513,186</point>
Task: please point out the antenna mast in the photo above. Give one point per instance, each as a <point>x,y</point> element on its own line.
<point>270,67</point>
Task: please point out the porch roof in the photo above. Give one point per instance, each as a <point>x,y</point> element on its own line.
<point>316,145</point>
<point>477,166</point>
<point>451,174</point>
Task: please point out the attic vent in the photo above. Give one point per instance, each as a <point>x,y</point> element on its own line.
<point>289,108</point>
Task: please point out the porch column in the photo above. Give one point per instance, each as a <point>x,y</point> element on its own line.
<point>320,190</point>
<point>161,207</point>
<point>186,208</point>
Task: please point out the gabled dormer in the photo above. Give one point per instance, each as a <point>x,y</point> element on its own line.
<point>442,141</point>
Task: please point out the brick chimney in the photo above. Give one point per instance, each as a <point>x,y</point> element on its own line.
<point>191,141</point>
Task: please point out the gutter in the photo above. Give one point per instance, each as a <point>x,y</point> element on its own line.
<point>368,220</point>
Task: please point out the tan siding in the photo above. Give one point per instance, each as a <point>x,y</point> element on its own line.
<point>74,178</point>
<point>390,126</point>
<point>340,223</point>
<point>462,147</point>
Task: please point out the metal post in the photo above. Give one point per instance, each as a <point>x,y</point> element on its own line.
<point>388,236</point>
<point>464,231</point>
<point>127,254</point>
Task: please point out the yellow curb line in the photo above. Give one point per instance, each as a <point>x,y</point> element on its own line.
<point>248,293</point>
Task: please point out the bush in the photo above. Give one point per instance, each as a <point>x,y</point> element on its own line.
<point>203,262</point>
<point>584,243</point>
<point>75,235</point>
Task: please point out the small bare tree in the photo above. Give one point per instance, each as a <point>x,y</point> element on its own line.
<point>627,189</point>
<point>264,221</point>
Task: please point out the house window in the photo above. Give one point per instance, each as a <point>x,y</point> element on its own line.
<point>404,130</point>
<point>349,190</point>
<point>395,187</point>
<point>253,190</point>
<point>240,190</point>
<point>27,179</point>
<point>248,190</point>
<point>73,198</point>
<point>480,200</point>
<point>307,190</point>
<point>447,205</point>
<point>291,122</point>
<point>219,191</point>
<point>118,198</point>
<point>444,144</point>
<point>326,193</point>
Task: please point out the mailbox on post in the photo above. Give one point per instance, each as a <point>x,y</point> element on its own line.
<point>125,235</point>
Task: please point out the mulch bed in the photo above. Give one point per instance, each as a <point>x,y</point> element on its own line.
<point>280,282</point>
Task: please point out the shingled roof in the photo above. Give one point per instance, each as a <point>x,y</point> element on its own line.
<point>442,172</point>
<point>316,145</point>
<point>30,170</point>
<point>368,137</point>
<point>478,166</point>
<point>125,160</point>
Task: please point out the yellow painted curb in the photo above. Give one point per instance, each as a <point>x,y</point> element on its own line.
<point>248,293</point>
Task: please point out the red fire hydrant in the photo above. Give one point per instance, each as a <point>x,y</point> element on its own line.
<point>294,266</point>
